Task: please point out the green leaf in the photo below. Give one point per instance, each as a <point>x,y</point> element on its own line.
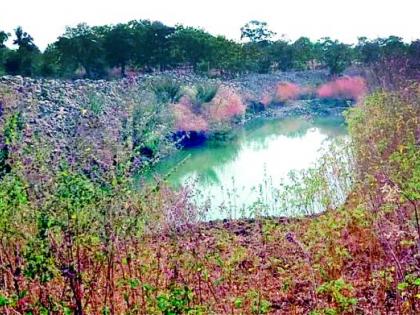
<point>238,302</point>
<point>4,301</point>
<point>402,286</point>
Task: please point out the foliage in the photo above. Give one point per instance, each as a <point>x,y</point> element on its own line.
<point>79,235</point>
<point>225,105</point>
<point>207,106</point>
<point>384,135</point>
<point>186,120</point>
<point>80,47</point>
<point>281,53</point>
<point>256,31</point>
<point>304,52</point>
<point>143,45</point>
<point>95,103</point>
<point>337,56</point>
<point>368,51</point>
<point>175,302</point>
<point>340,292</point>
<point>3,50</point>
<point>192,46</point>
<point>11,125</point>
<point>94,243</point>
<point>152,45</point>
<point>205,93</point>
<point>23,60</point>
<point>287,91</point>
<point>118,43</point>
<point>167,90</point>
<point>3,38</point>
<point>352,88</point>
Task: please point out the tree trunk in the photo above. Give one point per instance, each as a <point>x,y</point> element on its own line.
<point>123,70</point>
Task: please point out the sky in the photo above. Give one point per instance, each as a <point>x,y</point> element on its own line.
<point>344,20</point>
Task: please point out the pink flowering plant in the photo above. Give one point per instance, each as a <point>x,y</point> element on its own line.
<point>352,88</point>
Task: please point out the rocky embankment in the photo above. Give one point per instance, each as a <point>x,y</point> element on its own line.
<point>65,96</point>
<point>102,112</point>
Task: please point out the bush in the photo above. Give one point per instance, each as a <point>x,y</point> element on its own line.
<point>225,105</point>
<point>10,126</point>
<point>340,292</point>
<point>266,99</point>
<point>185,119</point>
<point>352,88</point>
<point>385,139</point>
<point>209,104</point>
<point>167,90</point>
<point>286,91</point>
<point>206,93</point>
<point>200,95</point>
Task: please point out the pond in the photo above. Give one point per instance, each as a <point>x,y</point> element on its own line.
<point>230,177</point>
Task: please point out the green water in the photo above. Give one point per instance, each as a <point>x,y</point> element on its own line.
<point>229,177</point>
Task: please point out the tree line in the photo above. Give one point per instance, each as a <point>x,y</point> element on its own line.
<point>98,51</point>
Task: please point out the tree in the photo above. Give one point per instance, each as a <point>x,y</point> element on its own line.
<point>3,50</point>
<point>119,46</point>
<point>257,50</point>
<point>303,53</point>
<point>336,56</point>
<point>23,40</point>
<point>256,31</point>
<point>3,38</point>
<point>393,46</point>
<point>192,45</point>
<point>23,60</point>
<point>82,46</point>
<point>227,55</point>
<point>282,55</point>
<point>50,65</point>
<point>414,57</point>
<point>152,44</point>
<point>367,51</point>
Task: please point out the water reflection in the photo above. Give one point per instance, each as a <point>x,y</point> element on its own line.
<point>260,154</point>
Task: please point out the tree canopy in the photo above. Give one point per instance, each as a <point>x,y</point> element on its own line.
<point>143,45</point>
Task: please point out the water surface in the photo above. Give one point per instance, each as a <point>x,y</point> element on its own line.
<point>229,177</point>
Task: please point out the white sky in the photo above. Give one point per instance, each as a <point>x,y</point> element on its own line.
<point>45,20</point>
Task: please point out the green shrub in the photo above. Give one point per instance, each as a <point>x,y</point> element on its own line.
<point>176,301</point>
<point>13,127</point>
<point>95,103</point>
<point>167,90</point>
<point>206,92</point>
<point>385,143</point>
<point>340,292</point>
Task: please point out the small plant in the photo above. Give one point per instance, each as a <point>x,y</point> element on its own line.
<point>4,301</point>
<point>95,103</point>
<point>325,311</point>
<point>340,293</point>
<point>206,92</point>
<point>258,304</point>
<point>176,301</point>
<point>167,91</point>
<point>13,127</point>
<point>10,133</point>
<point>410,287</point>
